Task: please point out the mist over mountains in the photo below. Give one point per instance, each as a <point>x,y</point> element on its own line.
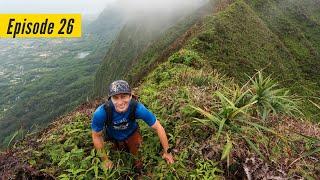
<point>235,83</point>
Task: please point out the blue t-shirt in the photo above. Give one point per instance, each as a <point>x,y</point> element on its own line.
<point>121,126</point>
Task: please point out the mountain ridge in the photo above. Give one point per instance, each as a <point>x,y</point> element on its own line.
<point>194,88</point>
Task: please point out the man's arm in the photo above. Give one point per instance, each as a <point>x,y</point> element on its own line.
<point>163,140</point>
<point>97,138</point>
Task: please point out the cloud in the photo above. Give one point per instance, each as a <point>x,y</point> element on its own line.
<point>150,6</point>
<point>53,6</point>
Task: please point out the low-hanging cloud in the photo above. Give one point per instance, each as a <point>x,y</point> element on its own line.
<point>158,7</point>
<point>149,6</point>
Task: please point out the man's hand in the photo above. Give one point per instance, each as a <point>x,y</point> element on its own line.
<point>164,141</point>
<point>168,157</point>
<point>99,145</point>
<point>107,164</point>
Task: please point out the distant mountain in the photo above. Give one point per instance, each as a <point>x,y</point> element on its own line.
<point>235,85</point>
<point>140,30</point>
<point>109,22</point>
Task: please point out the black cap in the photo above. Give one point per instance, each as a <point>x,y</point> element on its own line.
<point>119,87</point>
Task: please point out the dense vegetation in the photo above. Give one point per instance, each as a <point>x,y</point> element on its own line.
<point>216,127</point>
<point>46,78</point>
<point>229,97</point>
<point>278,36</point>
<point>48,87</point>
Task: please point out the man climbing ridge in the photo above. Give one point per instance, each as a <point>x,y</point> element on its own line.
<point>118,118</point>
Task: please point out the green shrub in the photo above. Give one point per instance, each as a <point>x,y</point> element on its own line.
<point>237,109</point>
<point>206,169</point>
<point>270,98</point>
<point>187,57</point>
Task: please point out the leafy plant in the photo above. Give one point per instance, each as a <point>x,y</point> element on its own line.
<point>270,98</point>
<point>236,111</point>
<point>206,169</point>
<point>187,57</point>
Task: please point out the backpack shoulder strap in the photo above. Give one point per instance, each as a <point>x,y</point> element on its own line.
<point>107,108</point>
<point>133,107</point>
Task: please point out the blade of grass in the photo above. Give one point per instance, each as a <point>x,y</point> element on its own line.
<point>222,97</point>
<point>259,126</point>
<point>207,114</point>
<point>242,108</point>
<point>253,146</point>
<point>12,138</point>
<point>227,149</point>
<point>220,128</point>
<point>318,106</point>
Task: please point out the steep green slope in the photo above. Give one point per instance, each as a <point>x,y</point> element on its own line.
<point>297,26</point>
<point>271,149</point>
<point>55,85</point>
<point>277,36</point>
<point>239,41</point>
<point>169,42</point>
<point>140,34</point>
<point>109,23</point>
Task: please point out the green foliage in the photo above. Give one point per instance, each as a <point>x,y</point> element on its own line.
<point>234,122</point>
<point>270,98</point>
<point>280,36</point>
<point>187,57</point>
<point>227,149</point>
<point>206,170</point>
<point>202,80</point>
<point>50,87</point>
<point>68,153</point>
<point>237,109</point>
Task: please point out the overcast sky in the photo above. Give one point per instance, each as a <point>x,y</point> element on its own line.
<point>94,7</point>
<point>53,6</point>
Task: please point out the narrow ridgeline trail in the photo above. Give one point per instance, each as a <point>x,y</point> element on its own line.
<point>237,93</point>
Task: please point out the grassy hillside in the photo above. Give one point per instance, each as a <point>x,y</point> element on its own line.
<point>161,48</point>
<point>297,25</point>
<point>277,36</point>
<point>269,35</point>
<point>49,87</point>
<point>223,118</point>
<point>189,101</point>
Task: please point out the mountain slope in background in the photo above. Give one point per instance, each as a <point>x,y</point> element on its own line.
<point>137,35</point>
<point>239,41</point>
<point>109,23</point>
<point>278,36</point>
<point>201,94</point>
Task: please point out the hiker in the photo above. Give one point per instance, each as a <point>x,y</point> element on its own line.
<point>115,121</point>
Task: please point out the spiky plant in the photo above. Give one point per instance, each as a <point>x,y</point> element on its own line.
<point>232,119</point>
<point>239,105</point>
<point>270,97</point>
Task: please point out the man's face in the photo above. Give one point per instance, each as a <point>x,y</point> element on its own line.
<point>121,102</point>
